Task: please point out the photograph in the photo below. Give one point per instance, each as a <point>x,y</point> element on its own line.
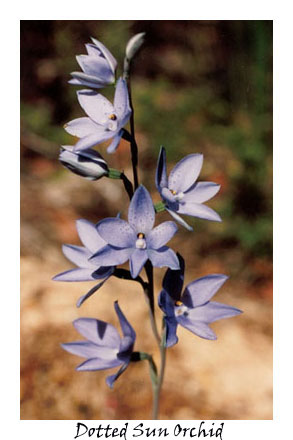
<point>146,220</point>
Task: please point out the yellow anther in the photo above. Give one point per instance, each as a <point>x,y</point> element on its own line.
<point>178,303</point>
<point>140,235</point>
<point>173,192</point>
<point>113,117</point>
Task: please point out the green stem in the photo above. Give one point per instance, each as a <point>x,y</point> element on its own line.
<point>159,207</point>
<point>116,174</point>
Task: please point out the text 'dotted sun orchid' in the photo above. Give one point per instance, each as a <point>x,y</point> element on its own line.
<point>192,309</point>
<point>104,121</point>
<point>98,67</point>
<point>104,348</point>
<point>180,191</point>
<point>137,240</point>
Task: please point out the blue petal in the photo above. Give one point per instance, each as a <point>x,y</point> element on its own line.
<point>89,235</point>
<point>96,364</point>
<point>174,279</point>
<point>111,379</point>
<point>212,311</point>
<point>166,303</point>
<point>199,210</point>
<point>161,172</point>
<point>137,261</point>
<point>201,192</point>
<point>161,234</point>
<point>75,275</point>
<point>185,173</point>
<point>200,291</point>
<point>141,212</point>
<point>164,257</point>
<point>95,105</point>
<point>125,326</point>
<point>83,298</point>
<point>81,127</point>
<point>98,332</point>
<point>78,255</point>
<point>121,101</point>
<point>171,330</point>
<point>110,256</point>
<point>115,143</point>
<point>89,350</point>
<point>200,329</point>
<point>179,220</point>
<point>117,232</point>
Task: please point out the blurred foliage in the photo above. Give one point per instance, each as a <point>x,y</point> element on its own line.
<point>198,86</point>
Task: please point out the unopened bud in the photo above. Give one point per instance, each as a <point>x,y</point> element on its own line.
<point>134,45</point>
<point>86,163</point>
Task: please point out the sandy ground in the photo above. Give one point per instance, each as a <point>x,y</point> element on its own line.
<point>230,378</point>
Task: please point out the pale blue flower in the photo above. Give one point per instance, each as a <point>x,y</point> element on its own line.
<point>192,309</point>
<point>86,270</point>
<point>104,348</point>
<point>180,191</point>
<point>98,67</point>
<point>105,120</point>
<point>137,240</point>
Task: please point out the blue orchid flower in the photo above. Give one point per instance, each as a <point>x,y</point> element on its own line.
<point>98,67</point>
<point>104,348</point>
<point>192,309</point>
<point>181,193</point>
<point>136,240</point>
<point>105,120</point>
<point>86,269</point>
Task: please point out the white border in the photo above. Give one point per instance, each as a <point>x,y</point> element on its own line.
<point>280,427</point>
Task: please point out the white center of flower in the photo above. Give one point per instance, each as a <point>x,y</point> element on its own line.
<point>110,122</point>
<point>140,242</point>
<point>180,309</point>
<point>178,196</point>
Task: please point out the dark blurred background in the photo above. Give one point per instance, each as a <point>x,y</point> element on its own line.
<point>197,86</point>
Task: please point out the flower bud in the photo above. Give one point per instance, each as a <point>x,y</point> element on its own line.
<point>86,163</point>
<point>134,45</point>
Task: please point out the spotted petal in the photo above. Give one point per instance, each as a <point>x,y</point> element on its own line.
<point>137,261</point>
<point>117,232</point>
<point>161,234</point>
<point>141,212</point>
<point>121,101</point>
<point>201,192</point>
<point>96,106</point>
<point>185,172</point>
